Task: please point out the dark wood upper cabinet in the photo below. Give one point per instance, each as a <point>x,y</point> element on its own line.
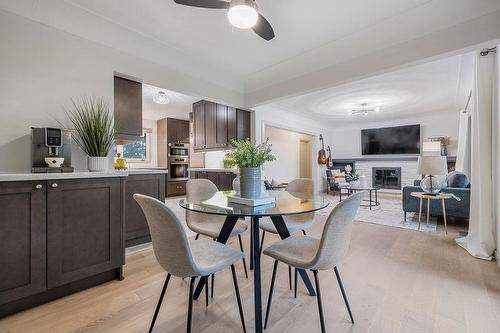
<point>171,130</point>
<point>199,125</point>
<point>22,240</point>
<point>183,131</point>
<point>84,229</point>
<point>231,124</point>
<point>127,109</point>
<point>221,135</point>
<point>242,124</point>
<point>210,125</point>
<point>216,125</point>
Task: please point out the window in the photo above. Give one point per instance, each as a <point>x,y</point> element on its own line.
<point>138,151</point>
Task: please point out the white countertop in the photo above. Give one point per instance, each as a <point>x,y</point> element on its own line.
<point>9,177</point>
<point>214,170</point>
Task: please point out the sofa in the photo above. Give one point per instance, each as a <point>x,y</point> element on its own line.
<point>460,188</point>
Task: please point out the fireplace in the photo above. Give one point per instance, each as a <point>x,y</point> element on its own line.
<point>388,178</point>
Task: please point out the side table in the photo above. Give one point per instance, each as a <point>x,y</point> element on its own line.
<point>440,196</point>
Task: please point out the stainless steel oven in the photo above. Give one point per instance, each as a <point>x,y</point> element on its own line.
<point>178,150</point>
<point>178,168</point>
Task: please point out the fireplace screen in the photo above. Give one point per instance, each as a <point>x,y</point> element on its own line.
<point>389,178</point>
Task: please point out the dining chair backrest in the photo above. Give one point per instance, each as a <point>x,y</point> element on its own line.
<point>337,233</point>
<point>170,243</point>
<point>304,187</point>
<point>198,190</point>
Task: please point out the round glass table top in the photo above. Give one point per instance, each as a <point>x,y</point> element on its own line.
<point>287,203</point>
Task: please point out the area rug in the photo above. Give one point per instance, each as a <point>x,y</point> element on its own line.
<point>389,213</point>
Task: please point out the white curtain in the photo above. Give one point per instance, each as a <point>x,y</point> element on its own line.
<point>484,225</point>
<point>464,144</point>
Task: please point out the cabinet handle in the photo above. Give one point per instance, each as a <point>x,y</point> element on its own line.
<point>54,185</point>
<point>38,186</point>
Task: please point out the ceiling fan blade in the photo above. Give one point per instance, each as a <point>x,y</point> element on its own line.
<point>263,28</point>
<point>213,4</point>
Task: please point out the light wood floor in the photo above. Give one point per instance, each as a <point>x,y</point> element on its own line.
<point>397,280</point>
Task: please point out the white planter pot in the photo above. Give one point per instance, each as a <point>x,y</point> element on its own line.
<point>98,163</point>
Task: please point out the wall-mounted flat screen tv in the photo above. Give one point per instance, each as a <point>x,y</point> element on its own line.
<point>391,140</point>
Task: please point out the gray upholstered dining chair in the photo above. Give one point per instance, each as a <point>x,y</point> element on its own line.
<point>206,224</point>
<point>318,254</point>
<point>294,223</point>
<point>183,258</point>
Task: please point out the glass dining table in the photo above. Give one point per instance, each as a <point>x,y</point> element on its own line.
<point>287,203</point>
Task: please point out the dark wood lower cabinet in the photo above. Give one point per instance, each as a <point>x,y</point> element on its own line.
<point>22,240</point>
<point>136,227</point>
<point>176,188</point>
<point>58,237</point>
<point>223,180</point>
<point>84,229</point>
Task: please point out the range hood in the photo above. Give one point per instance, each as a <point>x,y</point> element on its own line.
<point>127,110</point>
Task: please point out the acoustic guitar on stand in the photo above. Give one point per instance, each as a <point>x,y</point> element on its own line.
<point>322,153</point>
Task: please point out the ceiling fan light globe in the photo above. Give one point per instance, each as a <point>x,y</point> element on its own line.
<point>243,14</point>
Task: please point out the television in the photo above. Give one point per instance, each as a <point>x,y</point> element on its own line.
<point>391,140</point>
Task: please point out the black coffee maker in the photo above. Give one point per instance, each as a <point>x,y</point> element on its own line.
<point>50,150</point>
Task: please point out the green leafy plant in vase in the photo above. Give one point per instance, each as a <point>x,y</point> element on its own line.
<point>93,130</point>
<point>249,158</point>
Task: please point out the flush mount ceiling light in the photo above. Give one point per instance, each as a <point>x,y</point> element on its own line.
<point>364,110</point>
<point>242,14</point>
<point>160,98</point>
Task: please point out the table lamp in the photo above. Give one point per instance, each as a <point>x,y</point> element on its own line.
<point>431,166</point>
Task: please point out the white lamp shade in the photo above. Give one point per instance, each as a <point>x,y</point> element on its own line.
<point>432,165</point>
<point>431,148</point>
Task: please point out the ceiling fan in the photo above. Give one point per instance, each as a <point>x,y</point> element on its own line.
<point>243,14</point>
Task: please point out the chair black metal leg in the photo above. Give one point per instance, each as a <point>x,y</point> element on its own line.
<point>197,236</point>
<point>244,261</point>
<point>237,290</point>
<point>190,305</point>
<point>159,302</point>
<point>290,276</point>
<point>262,241</point>
<point>251,243</point>
<point>270,298</point>
<point>304,232</point>
<point>320,305</point>
<point>213,283</point>
<point>339,280</point>
<point>295,295</point>
<point>206,290</point>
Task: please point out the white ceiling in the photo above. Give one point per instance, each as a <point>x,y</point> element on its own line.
<point>311,36</point>
<point>178,107</point>
<point>438,86</point>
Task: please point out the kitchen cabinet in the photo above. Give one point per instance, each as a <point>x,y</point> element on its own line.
<point>84,230</point>
<point>177,130</point>
<point>223,180</point>
<point>58,237</point>
<point>136,227</point>
<point>216,125</point>
<point>176,188</point>
<point>22,240</point>
<point>127,109</point>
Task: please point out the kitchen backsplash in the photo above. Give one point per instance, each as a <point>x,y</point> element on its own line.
<point>214,159</point>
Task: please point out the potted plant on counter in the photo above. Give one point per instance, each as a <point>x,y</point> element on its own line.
<point>249,157</point>
<point>93,130</point>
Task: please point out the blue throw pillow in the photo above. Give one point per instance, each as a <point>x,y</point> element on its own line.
<point>457,179</point>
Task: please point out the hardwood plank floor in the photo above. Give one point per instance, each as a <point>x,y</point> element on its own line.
<point>397,280</point>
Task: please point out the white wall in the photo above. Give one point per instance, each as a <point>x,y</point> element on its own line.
<point>42,68</point>
<point>345,140</point>
<point>286,148</point>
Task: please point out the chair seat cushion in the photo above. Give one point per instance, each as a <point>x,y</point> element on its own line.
<point>292,225</point>
<point>296,251</point>
<point>212,228</point>
<point>211,257</point>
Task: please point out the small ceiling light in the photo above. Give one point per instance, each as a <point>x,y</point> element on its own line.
<point>363,110</point>
<point>243,14</point>
<point>161,98</point>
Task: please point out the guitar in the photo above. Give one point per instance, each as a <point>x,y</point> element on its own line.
<point>322,153</point>
<point>329,161</point>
